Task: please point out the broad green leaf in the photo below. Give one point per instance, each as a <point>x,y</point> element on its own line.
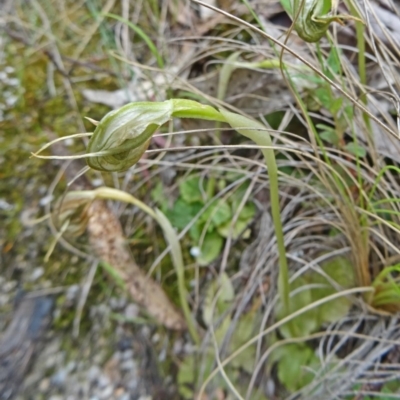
<point>330,137</point>
<point>210,249</point>
<point>324,97</point>
<point>224,289</point>
<point>304,324</point>
<point>341,271</point>
<point>248,212</point>
<point>158,196</point>
<point>244,332</point>
<point>190,369</point>
<point>336,105</point>
<point>292,366</point>
<point>222,328</point>
<point>333,60</point>
<point>239,228</point>
<point>227,293</point>
<point>182,213</point>
<point>186,377</point>
<point>196,230</point>
<point>190,190</point>
<point>349,111</point>
<point>219,213</point>
<point>355,149</point>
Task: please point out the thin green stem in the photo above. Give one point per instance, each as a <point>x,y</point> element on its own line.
<point>362,70</point>
<point>256,132</point>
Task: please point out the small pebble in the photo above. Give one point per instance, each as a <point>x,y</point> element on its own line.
<point>93,373</point>
<point>46,200</point>
<point>36,274</point>
<point>106,393</point>
<point>9,286</point>
<point>103,381</point>
<point>128,365</point>
<point>59,378</point>
<point>72,293</point>
<point>44,385</point>
<point>71,366</point>
<point>4,299</point>
<point>97,182</point>
<point>69,142</point>
<point>117,304</point>
<point>127,355</point>
<point>5,206</point>
<point>119,392</point>
<point>131,311</point>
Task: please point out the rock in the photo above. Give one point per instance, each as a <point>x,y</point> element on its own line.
<point>59,378</point>
<point>128,365</point>
<point>103,381</point>
<point>127,355</point>
<point>93,373</point>
<point>106,393</point>
<point>131,311</point>
<point>9,286</point>
<point>36,274</point>
<point>44,385</point>
<point>72,293</point>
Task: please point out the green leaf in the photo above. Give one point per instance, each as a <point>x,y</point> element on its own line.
<point>190,190</point>
<point>218,213</point>
<point>158,196</point>
<point>248,212</point>
<point>324,97</point>
<point>189,371</point>
<point>244,332</point>
<point>249,209</point>
<point>182,213</point>
<point>292,365</point>
<point>238,228</point>
<point>224,289</point>
<point>330,137</point>
<point>333,59</point>
<point>304,324</point>
<point>336,105</point>
<point>355,149</point>
<point>227,293</point>
<point>196,230</point>
<point>222,329</point>
<point>341,271</point>
<point>210,249</point>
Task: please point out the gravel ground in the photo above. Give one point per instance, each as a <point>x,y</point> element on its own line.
<point>112,360</point>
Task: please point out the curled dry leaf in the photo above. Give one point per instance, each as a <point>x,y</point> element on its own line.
<point>108,243</point>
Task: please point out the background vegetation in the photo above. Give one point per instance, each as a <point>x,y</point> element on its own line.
<point>277,251</point>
